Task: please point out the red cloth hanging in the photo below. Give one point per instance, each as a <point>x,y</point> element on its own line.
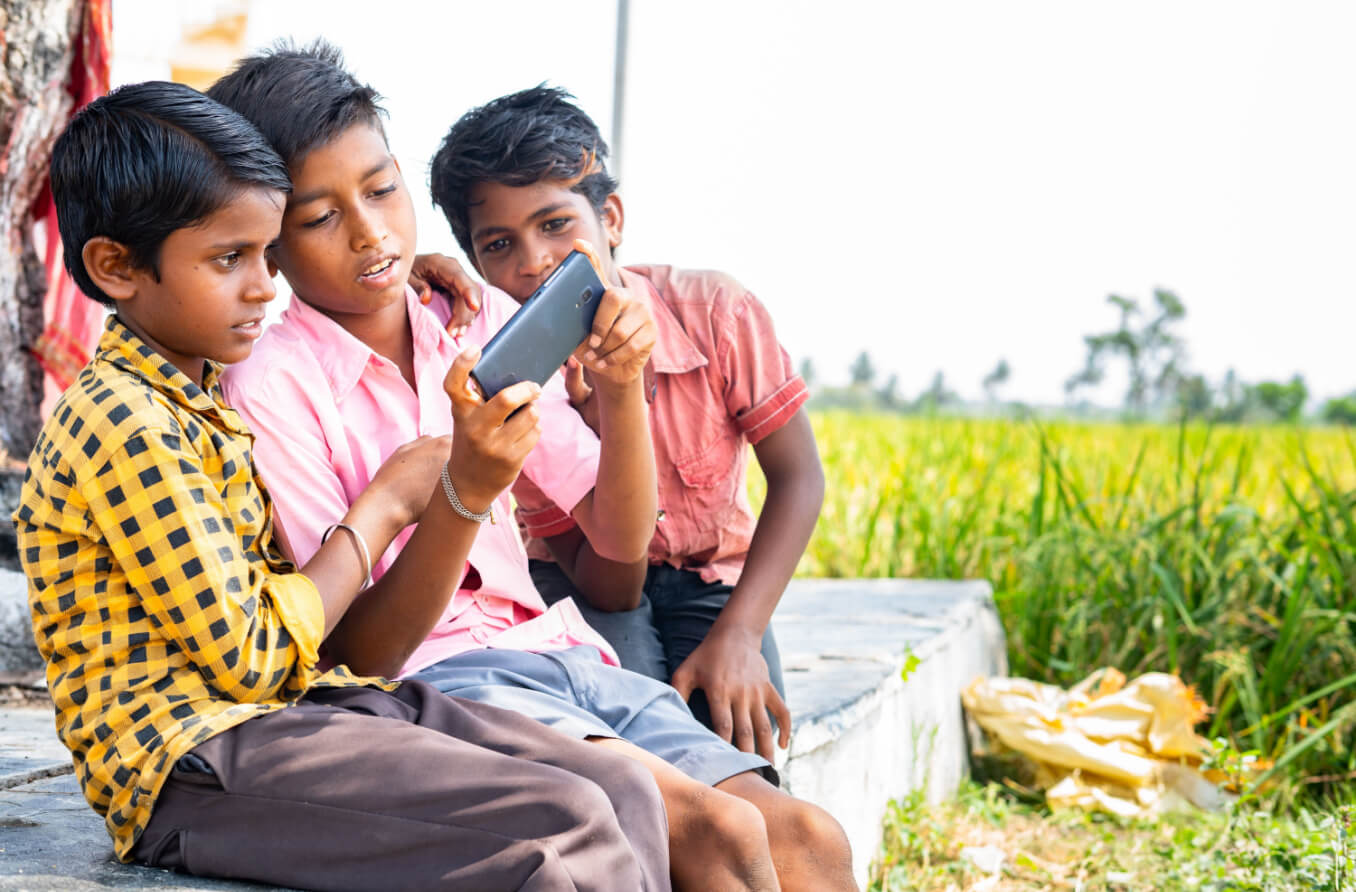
<point>72,322</point>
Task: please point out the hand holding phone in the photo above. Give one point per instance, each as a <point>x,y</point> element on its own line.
<point>490,438</point>
<point>550,325</point>
<point>623,335</point>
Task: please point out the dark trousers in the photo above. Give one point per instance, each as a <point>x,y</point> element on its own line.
<point>359,789</point>
<point>654,639</point>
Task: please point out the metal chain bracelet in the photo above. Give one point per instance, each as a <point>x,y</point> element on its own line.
<point>457,506</point>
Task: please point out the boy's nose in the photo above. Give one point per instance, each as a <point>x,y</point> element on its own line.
<point>367,231</point>
<point>537,263</point>
<point>261,288</point>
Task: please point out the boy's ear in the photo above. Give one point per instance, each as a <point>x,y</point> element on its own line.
<point>109,264</point>
<point>613,216</point>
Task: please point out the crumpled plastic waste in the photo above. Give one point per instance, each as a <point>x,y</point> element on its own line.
<point>1129,749</point>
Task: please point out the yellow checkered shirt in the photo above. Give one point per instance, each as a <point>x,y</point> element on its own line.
<point>160,602</point>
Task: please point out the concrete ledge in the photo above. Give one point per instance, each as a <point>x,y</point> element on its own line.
<point>863,734</point>
<point>50,841</point>
<point>29,748</point>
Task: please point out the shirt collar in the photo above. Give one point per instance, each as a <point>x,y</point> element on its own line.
<point>122,348</point>
<point>428,330</point>
<point>674,352</point>
<point>343,357</point>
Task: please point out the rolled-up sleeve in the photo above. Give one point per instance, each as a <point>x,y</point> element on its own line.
<point>762,390</point>
<point>538,516</point>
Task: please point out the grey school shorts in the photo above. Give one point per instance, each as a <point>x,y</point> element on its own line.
<point>576,693</point>
<point>676,612</point>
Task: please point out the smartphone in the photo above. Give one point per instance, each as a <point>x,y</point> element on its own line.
<point>548,327</point>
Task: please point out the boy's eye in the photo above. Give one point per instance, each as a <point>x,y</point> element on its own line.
<point>313,223</point>
<point>555,224</point>
<point>385,190</point>
<point>228,261</point>
<point>498,244</point>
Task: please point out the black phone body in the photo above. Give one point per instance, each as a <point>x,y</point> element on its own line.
<point>547,328</point>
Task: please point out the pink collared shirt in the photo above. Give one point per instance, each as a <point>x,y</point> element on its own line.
<point>721,382</point>
<point>326,411</point>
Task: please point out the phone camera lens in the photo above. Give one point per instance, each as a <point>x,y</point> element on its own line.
<point>586,296</point>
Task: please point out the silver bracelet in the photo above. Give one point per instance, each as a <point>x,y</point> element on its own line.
<point>363,553</point>
<point>457,506</point>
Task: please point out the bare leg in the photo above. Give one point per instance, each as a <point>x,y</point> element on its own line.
<point>717,841</point>
<point>809,848</point>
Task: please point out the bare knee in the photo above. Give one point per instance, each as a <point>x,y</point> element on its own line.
<point>810,847</point>
<point>820,831</point>
<point>791,823</point>
<point>722,836</point>
<point>736,820</point>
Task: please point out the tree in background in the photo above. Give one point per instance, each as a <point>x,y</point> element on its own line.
<point>889,394</point>
<point>1282,401</point>
<point>1195,399</point>
<point>863,370</point>
<point>996,379</point>
<point>937,396</point>
<point>1153,352</point>
<point>1234,400</point>
<point>1340,410</point>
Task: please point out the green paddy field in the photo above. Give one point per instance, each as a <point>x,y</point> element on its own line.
<point>1226,555</point>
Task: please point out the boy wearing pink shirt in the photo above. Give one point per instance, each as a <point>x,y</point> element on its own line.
<point>347,375</point>
<point>519,179</point>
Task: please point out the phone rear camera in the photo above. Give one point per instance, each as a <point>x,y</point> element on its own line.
<point>586,296</point>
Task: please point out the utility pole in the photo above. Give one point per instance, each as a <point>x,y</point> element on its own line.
<point>619,85</point>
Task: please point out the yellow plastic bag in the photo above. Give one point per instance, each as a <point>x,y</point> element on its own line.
<point>1103,744</point>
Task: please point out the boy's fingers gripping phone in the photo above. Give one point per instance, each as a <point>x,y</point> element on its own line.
<point>585,247</point>
<point>576,385</point>
<point>460,385</point>
<point>547,328</point>
<point>506,403</point>
<point>602,321</point>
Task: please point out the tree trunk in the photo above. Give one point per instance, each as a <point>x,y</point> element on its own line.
<point>37,45</point>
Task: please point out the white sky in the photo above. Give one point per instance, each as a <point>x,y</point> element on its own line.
<point>941,184</point>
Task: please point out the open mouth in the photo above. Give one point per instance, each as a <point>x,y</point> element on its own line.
<point>377,268</point>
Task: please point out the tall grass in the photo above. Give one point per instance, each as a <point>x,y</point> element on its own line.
<point>1227,556</point>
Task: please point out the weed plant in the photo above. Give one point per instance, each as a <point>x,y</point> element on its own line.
<point>988,838</point>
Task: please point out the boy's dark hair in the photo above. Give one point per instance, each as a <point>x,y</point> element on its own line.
<point>145,160</point>
<point>517,140</point>
<point>299,97</point>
